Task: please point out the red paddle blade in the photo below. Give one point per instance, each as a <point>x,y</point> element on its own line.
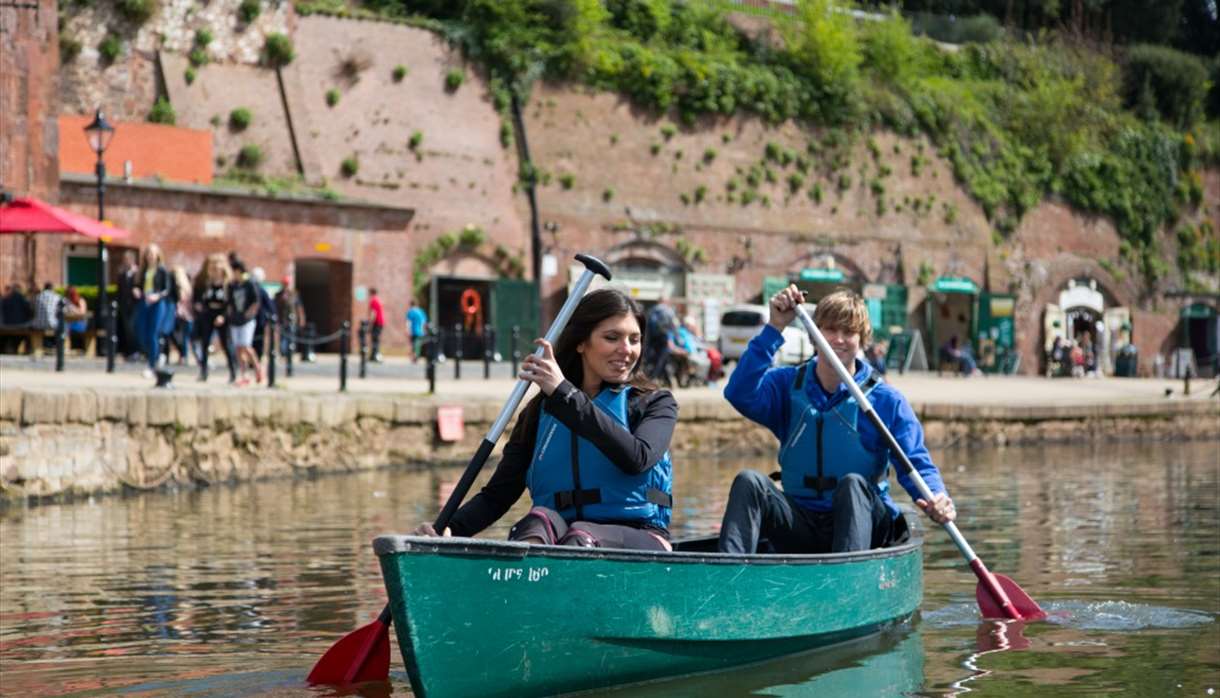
<point>1024,607</point>
<point>362,655</point>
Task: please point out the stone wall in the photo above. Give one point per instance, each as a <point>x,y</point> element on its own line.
<point>74,442</point>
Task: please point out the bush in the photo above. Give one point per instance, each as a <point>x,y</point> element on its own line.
<point>203,36</point>
<point>278,50</point>
<point>399,72</point>
<point>350,166</point>
<point>417,137</point>
<point>1173,82</point>
<point>69,48</point>
<point>198,57</point>
<point>454,79</point>
<point>162,112</point>
<point>249,157</point>
<point>189,75</point>
<point>332,97</point>
<point>135,11</point>
<point>951,29</point>
<point>248,10</point>
<point>239,119</point>
<point>566,181</point>
<point>109,48</point>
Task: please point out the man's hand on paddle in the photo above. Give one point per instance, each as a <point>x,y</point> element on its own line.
<point>941,508</point>
<point>542,370</point>
<point>783,307</point>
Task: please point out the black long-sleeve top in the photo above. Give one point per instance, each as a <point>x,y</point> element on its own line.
<point>651,417</point>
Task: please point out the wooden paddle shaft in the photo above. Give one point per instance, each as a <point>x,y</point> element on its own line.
<point>593,267</point>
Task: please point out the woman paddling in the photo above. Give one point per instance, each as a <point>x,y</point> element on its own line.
<point>592,448</point>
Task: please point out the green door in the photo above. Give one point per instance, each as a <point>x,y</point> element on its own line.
<point>82,271</point>
<point>996,338</point>
<point>514,302</point>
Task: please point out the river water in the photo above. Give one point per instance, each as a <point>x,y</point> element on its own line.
<point>236,590</point>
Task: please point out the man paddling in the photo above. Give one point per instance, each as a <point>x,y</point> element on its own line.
<point>834,464</point>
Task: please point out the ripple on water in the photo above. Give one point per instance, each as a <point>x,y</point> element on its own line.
<point>1083,615</point>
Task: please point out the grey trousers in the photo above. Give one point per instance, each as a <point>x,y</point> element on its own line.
<point>757,509</point>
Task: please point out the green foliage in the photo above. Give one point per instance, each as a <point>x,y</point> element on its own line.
<point>349,166</point>
<point>162,112</point>
<point>654,148</point>
<point>891,52</point>
<point>823,43</point>
<point>69,47</point>
<point>700,193</point>
<point>203,37</point>
<point>566,180</point>
<point>506,133</point>
<point>239,119</point>
<point>109,48</point>
<point>454,79</point>
<point>135,11</point>
<point>248,10</point>
<point>399,72</point>
<point>189,75</point>
<point>471,237</point>
<point>709,155</point>
<point>332,97</point>
<point>950,29</point>
<point>278,50</point>
<point>1175,83</point>
<point>795,181</point>
<point>417,137</point>
<point>197,57</point>
<point>608,195</point>
<point>668,131</point>
<point>249,157</point>
<point>924,276</point>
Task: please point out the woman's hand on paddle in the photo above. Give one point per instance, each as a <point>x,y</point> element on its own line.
<point>940,509</point>
<point>542,370</point>
<point>783,306</point>
<point>425,529</point>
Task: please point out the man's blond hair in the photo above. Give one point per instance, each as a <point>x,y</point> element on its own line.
<point>844,310</point>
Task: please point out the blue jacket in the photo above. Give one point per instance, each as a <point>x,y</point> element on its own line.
<point>760,393</point>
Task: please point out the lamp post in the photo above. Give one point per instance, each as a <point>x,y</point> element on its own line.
<point>99,132</point>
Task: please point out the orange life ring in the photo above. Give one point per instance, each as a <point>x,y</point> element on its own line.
<point>470,302</point>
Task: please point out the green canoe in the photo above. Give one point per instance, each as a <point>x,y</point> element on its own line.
<point>478,617</point>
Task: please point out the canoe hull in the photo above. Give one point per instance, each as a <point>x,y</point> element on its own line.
<point>477,617</point>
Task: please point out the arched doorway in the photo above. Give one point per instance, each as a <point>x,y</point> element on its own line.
<point>1086,313</point>
<point>1201,334</point>
<point>325,286</point>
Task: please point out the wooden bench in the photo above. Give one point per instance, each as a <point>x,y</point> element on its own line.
<point>34,338</point>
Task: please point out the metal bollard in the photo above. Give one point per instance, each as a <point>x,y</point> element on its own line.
<point>430,369</point>
<point>272,346</point>
<point>489,342</point>
<point>364,348</point>
<point>112,339</point>
<point>345,341</point>
<point>457,351</point>
<point>60,329</point>
<point>516,350</point>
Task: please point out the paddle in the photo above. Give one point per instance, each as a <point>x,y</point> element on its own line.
<point>364,655</point>
<point>997,595</point>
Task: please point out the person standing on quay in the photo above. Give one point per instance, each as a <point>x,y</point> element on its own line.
<point>155,317</point>
<point>417,324</point>
<point>242,311</point>
<point>128,304</point>
<point>376,323</point>
<point>211,299</point>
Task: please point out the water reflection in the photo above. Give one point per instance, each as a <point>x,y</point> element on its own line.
<point>198,592</point>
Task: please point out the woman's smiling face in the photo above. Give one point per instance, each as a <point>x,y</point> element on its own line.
<point>612,349</point>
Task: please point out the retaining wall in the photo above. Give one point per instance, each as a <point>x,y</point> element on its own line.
<point>80,442</point>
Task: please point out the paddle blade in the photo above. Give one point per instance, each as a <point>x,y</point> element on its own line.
<point>991,607</point>
<point>362,655</point>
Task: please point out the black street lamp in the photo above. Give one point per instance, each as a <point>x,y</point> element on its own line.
<point>99,132</point>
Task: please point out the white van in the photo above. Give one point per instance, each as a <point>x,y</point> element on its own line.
<point>740,323</point>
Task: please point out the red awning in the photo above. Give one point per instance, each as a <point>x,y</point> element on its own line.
<point>29,215</point>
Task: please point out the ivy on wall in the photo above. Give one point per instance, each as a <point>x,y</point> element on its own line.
<point>472,240</point>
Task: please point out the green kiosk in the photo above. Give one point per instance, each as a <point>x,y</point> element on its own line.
<point>957,308</point>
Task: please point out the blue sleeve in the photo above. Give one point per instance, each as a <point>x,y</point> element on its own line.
<point>758,391</point>
<point>898,416</point>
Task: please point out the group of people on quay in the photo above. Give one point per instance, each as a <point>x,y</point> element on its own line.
<point>592,447</point>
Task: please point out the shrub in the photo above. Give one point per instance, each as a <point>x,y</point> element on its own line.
<point>823,44</point>
<point>795,181</point>
<point>709,155</point>
<point>249,157</point>
<point>69,48</point>
<point>654,148</point>
<point>109,48</point>
<point>162,112</point>
<point>203,36</point>
<point>1175,83</point>
<point>239,119</point>
<point>566,181</point>
<point>135,11</point>
<point>668,131</point>
<point>700,193</point>
<point>506,133</point>
<point>454,79</point>
<point>471,236</point>
<point>350,166</point>
<point>189,75</point>
<point>399,72</point>
<point>198,57</point>
<point>332,97</point>
<point>248,10</point>
<point>278,50</point>
<point>417,137</point>
<point>608,195</point>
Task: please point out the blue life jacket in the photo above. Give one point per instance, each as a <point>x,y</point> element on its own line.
<point>573,477</point>
<point>824,445</point>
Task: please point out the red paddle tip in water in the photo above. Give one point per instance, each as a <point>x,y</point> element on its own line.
<point>361,656</point>
<point>1019,605</point>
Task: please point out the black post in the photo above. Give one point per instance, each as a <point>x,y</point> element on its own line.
<point>102,305</point>
<point>516,351</point>
<point>59,336</point>
<point>364,352</point>
<point>112,339</point>
<point>292,342</point>
<point>457,351</point>
<point>272,342</point>
<point>489,341</point>
<point>431,359</point>
<point>345,342</point>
